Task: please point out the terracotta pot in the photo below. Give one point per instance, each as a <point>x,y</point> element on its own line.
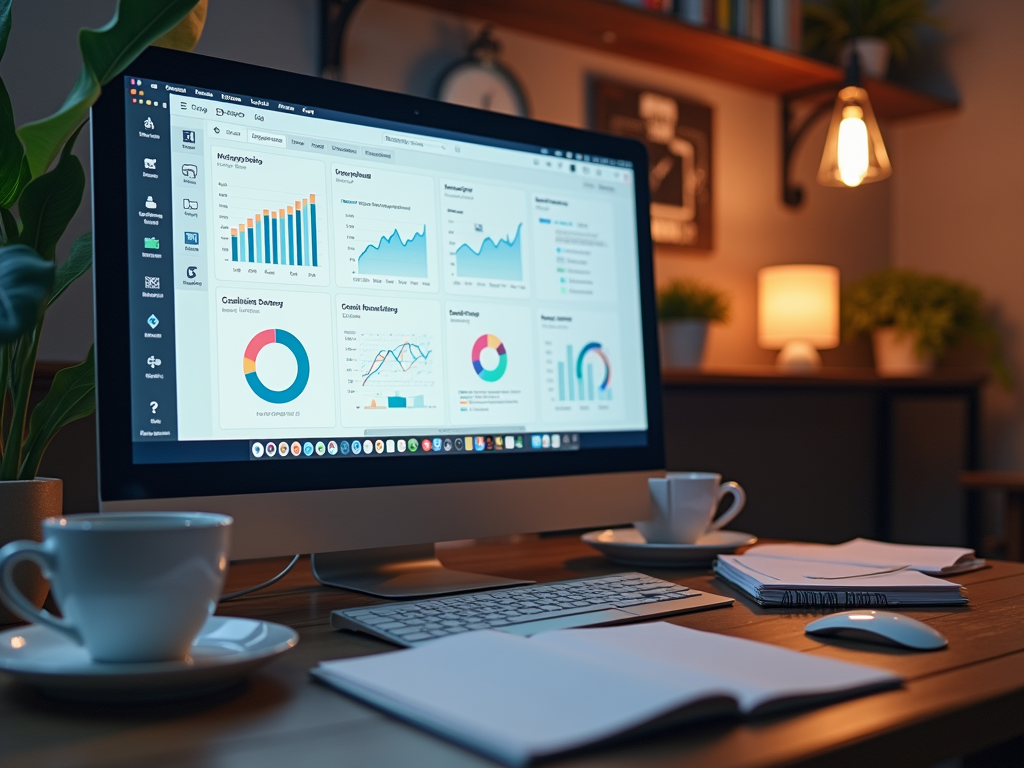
<point>24,504</point>
<point>874,54</point>
<point>682,343</point>
<point>896,354</point>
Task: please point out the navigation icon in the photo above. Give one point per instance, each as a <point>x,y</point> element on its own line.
<point>150,203</point>
<point>188,170</point>
<point>149,163</point>
<point>188,137</point>
<point>149,124</point>
<point>153,362</point>
<point>152,321</point>
<point>190,205</point>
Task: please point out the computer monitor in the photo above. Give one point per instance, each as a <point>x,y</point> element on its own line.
<point>359,321</point>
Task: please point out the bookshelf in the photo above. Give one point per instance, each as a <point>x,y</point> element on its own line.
<point>612,27</point>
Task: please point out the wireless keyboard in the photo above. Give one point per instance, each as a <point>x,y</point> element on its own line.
<point>529,609</point>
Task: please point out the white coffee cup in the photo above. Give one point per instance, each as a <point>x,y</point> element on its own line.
<point>683,506</point>
<point>132,587</point>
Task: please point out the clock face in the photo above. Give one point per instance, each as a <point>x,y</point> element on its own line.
<point>472,84</point>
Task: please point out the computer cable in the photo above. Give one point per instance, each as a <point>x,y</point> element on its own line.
<point>265,584</point>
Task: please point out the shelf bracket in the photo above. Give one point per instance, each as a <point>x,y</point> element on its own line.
<point>822,98</point>
<point>334,18</point>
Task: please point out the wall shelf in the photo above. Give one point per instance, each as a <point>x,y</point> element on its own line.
<point>612,27</point>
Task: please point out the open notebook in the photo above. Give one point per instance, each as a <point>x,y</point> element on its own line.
<point>516,699</point>
<point>934,561</point>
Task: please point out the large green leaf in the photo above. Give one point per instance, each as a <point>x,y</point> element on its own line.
<point>14,171</point>
<point>105,53</point>
<point>5,24</point>
<point>25,281</point>
<point>77,264</point>
<point>71,397</point>
<point>49,202</point>
<point>185,36</point>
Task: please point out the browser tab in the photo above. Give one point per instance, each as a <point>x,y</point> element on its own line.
<point>267,139</point>
<point>295,142</point>
<point>371,153</point>
<point>344,149</point>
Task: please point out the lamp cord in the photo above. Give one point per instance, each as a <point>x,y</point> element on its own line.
<point>264,585</point>
<point>853,67</point>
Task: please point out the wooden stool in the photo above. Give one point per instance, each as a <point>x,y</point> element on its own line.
<point>1011,485</point>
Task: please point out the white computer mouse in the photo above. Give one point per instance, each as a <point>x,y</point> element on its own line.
<point>881,627</point>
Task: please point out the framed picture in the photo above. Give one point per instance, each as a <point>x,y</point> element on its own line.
<point>677,134</point>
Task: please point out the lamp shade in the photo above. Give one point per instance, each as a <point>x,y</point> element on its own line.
<point>798,302</point>
<point>854,151</point>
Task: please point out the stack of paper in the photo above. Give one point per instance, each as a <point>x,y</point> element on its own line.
<point>516,699</point>
<point>855,574</point>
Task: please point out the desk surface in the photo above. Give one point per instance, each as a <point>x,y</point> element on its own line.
<point>956,701</point>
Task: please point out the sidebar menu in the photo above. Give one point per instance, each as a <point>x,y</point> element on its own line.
<point>150,266</point>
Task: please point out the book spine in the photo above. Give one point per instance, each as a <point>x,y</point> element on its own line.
<point>722,15</point>
<point>692,12</point>
<point>757,25</point>
<point>777,24</point>
<point>739,18</point>
<point>832,599</point>
<point>796,28</point>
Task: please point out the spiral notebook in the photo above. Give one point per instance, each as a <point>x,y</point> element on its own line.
<point>788,582</point>
<point>516,699</point>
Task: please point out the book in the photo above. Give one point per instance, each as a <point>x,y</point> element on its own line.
<point>788,582</point>
<point>516,699</point>
<point>934,561</point>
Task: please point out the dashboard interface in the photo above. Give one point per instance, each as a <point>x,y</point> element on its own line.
<point>309,284</point>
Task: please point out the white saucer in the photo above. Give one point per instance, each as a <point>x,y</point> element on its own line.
<point>629,547</point>
<point>225,650</point>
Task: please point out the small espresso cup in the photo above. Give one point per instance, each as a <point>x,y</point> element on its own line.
<point>132,587</point>
<point>683,506</point>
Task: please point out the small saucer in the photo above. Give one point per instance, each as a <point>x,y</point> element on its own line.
<point>629,547</point>
<point>224,652</point>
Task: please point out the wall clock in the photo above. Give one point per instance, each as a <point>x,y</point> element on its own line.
<point>480,81</point>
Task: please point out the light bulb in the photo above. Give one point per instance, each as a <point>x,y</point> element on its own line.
<point>853,146</point>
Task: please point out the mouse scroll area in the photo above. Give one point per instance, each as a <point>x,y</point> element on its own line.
<point>879,628</point>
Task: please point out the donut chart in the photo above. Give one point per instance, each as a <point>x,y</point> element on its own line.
<point>293,345</point>
<point>489,341</point>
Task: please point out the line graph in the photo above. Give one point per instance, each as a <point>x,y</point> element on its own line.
<point>395,257</point>
<point>405,356</point>
<point>501,260</point>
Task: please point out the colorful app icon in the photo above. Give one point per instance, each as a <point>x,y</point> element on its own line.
<point>437,443</point>
<point>379,445</point>
<point>426,445</point>
<point>357,447</point>
<point>535,441</point>
<point>282,448</point>
<point>296,448</point>
<point>510,442</point>
<point>447,444</point>
<point>489,443</point>
<point>307,448</point>
<point>458,443</point>
<point>367,446</point>
<point>478,443</point>
<point>499,443</point>
<point>389,446</point>
<point>257,450</point>
<point>321,449</point>
<point>401,446</point>
<point>343,447</point>
<point>413,445</point>
<point>545,441</point>
<point>271,449</point>
<point>151,244</point>
<point>469,443</point>
<point>332,447</point>
<point>519,441</point>
<point>556,441</point>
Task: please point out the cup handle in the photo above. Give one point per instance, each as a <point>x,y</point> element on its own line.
<point>739,500</point>
<point>44,557</point>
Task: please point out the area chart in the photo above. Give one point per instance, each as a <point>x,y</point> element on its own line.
<point>395,257</point>
<point>502,260</point>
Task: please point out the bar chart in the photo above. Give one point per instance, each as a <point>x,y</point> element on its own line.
<point>587,376</point>
<point>287,235</point>
<point>580,350</point>
<point>271,220</point>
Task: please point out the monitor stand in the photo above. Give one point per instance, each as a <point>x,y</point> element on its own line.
<point>409,571</point>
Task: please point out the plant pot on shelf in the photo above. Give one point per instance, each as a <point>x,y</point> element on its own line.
<point>24,504</point>
<point>896,354</point>
<point>683,342</point>
<point>874,54</point>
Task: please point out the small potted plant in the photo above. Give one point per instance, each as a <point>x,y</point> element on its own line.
<point>685,308</point>
<point>913,319</point>
<point>884,28</point>
<point>43,181</point>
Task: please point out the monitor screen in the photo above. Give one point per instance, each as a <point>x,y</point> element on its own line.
<point>307,284</point>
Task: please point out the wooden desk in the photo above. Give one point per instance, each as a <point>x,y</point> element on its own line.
<point>956,701</point>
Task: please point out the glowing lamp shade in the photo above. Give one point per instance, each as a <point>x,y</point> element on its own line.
<point>798,312</point>
<point>854,151</point>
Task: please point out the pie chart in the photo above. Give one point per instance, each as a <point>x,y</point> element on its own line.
<point>293,345</point>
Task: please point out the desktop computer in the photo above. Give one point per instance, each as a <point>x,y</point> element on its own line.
<point>361,322</point>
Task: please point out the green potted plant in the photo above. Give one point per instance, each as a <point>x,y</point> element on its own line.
<point>41,187</point>
<point>913,319</point>
<point>884,28</point>
<point>685,308</point>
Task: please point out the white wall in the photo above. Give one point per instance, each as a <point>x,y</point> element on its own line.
<point>958,196</point>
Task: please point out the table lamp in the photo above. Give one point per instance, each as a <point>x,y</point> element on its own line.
<point>798,313</point>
